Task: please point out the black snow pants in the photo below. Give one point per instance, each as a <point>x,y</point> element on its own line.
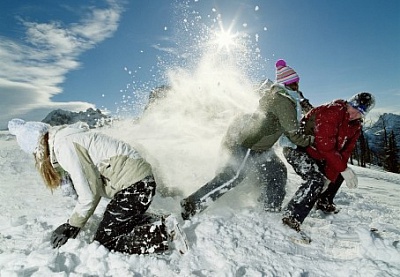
<point>271,173</point>
<point>126,227</point>
<point>329,194</point>
<point>310,190</point>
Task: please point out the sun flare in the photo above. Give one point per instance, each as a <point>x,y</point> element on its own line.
<point>225,39</point>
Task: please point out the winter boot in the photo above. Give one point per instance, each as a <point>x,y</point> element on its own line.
<point>326,207</point>
<point>291,222</point>
<point>189,208</point>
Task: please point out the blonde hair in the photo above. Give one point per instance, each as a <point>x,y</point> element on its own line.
<point>50,176</point>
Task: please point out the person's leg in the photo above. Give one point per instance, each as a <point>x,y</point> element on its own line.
<point>126,228</point>
<point>230,176</point>
<point>307,194</point>
<point>325,200</point>
<point>272,174</point>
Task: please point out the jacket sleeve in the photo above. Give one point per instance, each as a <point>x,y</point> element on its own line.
<point>327,124</point>
<point>87,201</point>
<point>285,110</point>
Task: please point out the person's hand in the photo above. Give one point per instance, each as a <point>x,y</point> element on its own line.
<point>306,105</point>
<point>63,233</point>
<point>350,177</point>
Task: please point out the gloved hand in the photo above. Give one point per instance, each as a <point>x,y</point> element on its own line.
<point>63,233</point>
<point>350,177</point>
<point>306,105</point>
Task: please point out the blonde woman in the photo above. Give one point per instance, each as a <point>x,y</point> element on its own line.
<point>99,166</point>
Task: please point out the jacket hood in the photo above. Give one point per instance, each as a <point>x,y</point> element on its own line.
<point>64,130</point>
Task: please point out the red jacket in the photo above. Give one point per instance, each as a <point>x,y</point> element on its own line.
<point>335,136</point>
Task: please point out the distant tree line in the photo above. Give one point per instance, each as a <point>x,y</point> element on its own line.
<point>386,155</point>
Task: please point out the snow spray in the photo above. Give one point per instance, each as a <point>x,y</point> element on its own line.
<point>180,134</point>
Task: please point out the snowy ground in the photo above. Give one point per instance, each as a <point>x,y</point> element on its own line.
<point>232,238</point>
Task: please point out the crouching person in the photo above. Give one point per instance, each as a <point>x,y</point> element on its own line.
<point>99,166</point>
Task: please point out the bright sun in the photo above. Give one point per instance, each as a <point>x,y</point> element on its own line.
<point>225,39</point>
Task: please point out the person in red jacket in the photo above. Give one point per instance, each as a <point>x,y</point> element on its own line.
<point>336,127</point>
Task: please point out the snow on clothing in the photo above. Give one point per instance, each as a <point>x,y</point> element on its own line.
<point>277,115</point>
<point>335,138</point>
<point>308,192</point>
<point>249,140</point>
<point>244,163</point>
<point>27,133</point>
<point>100,166</point>
<point>126,228</point>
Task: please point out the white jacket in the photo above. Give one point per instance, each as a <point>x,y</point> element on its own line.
<point>99,166</point>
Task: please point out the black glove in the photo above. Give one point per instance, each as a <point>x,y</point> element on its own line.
<point>306,105</point>
<point>63,233</point>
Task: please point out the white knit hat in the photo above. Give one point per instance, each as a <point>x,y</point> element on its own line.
<point>28,133</point>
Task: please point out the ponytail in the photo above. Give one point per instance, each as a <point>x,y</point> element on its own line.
<point>49,174</point>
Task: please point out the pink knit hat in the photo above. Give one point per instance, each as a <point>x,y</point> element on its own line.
<point>285,74</point>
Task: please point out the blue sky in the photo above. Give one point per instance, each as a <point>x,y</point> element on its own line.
<point>107,54</point>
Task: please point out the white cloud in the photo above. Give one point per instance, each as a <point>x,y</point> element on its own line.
<point>33,71</point>
<point>170,50</point>
<point>101,25</point>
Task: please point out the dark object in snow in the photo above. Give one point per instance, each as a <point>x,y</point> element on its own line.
<point>63,232</point>
<point>291,222</point>
<point>327,208</point>
<point>190,208</point>
<point>298,237</point>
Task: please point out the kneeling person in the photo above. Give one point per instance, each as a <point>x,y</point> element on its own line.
<point>99,166</point>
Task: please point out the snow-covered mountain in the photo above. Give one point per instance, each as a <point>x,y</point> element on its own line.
<point>94,118</point>
<point>375,133</point>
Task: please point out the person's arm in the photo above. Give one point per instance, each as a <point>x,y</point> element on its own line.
<point>87,200</point>
<point>285,109</point>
